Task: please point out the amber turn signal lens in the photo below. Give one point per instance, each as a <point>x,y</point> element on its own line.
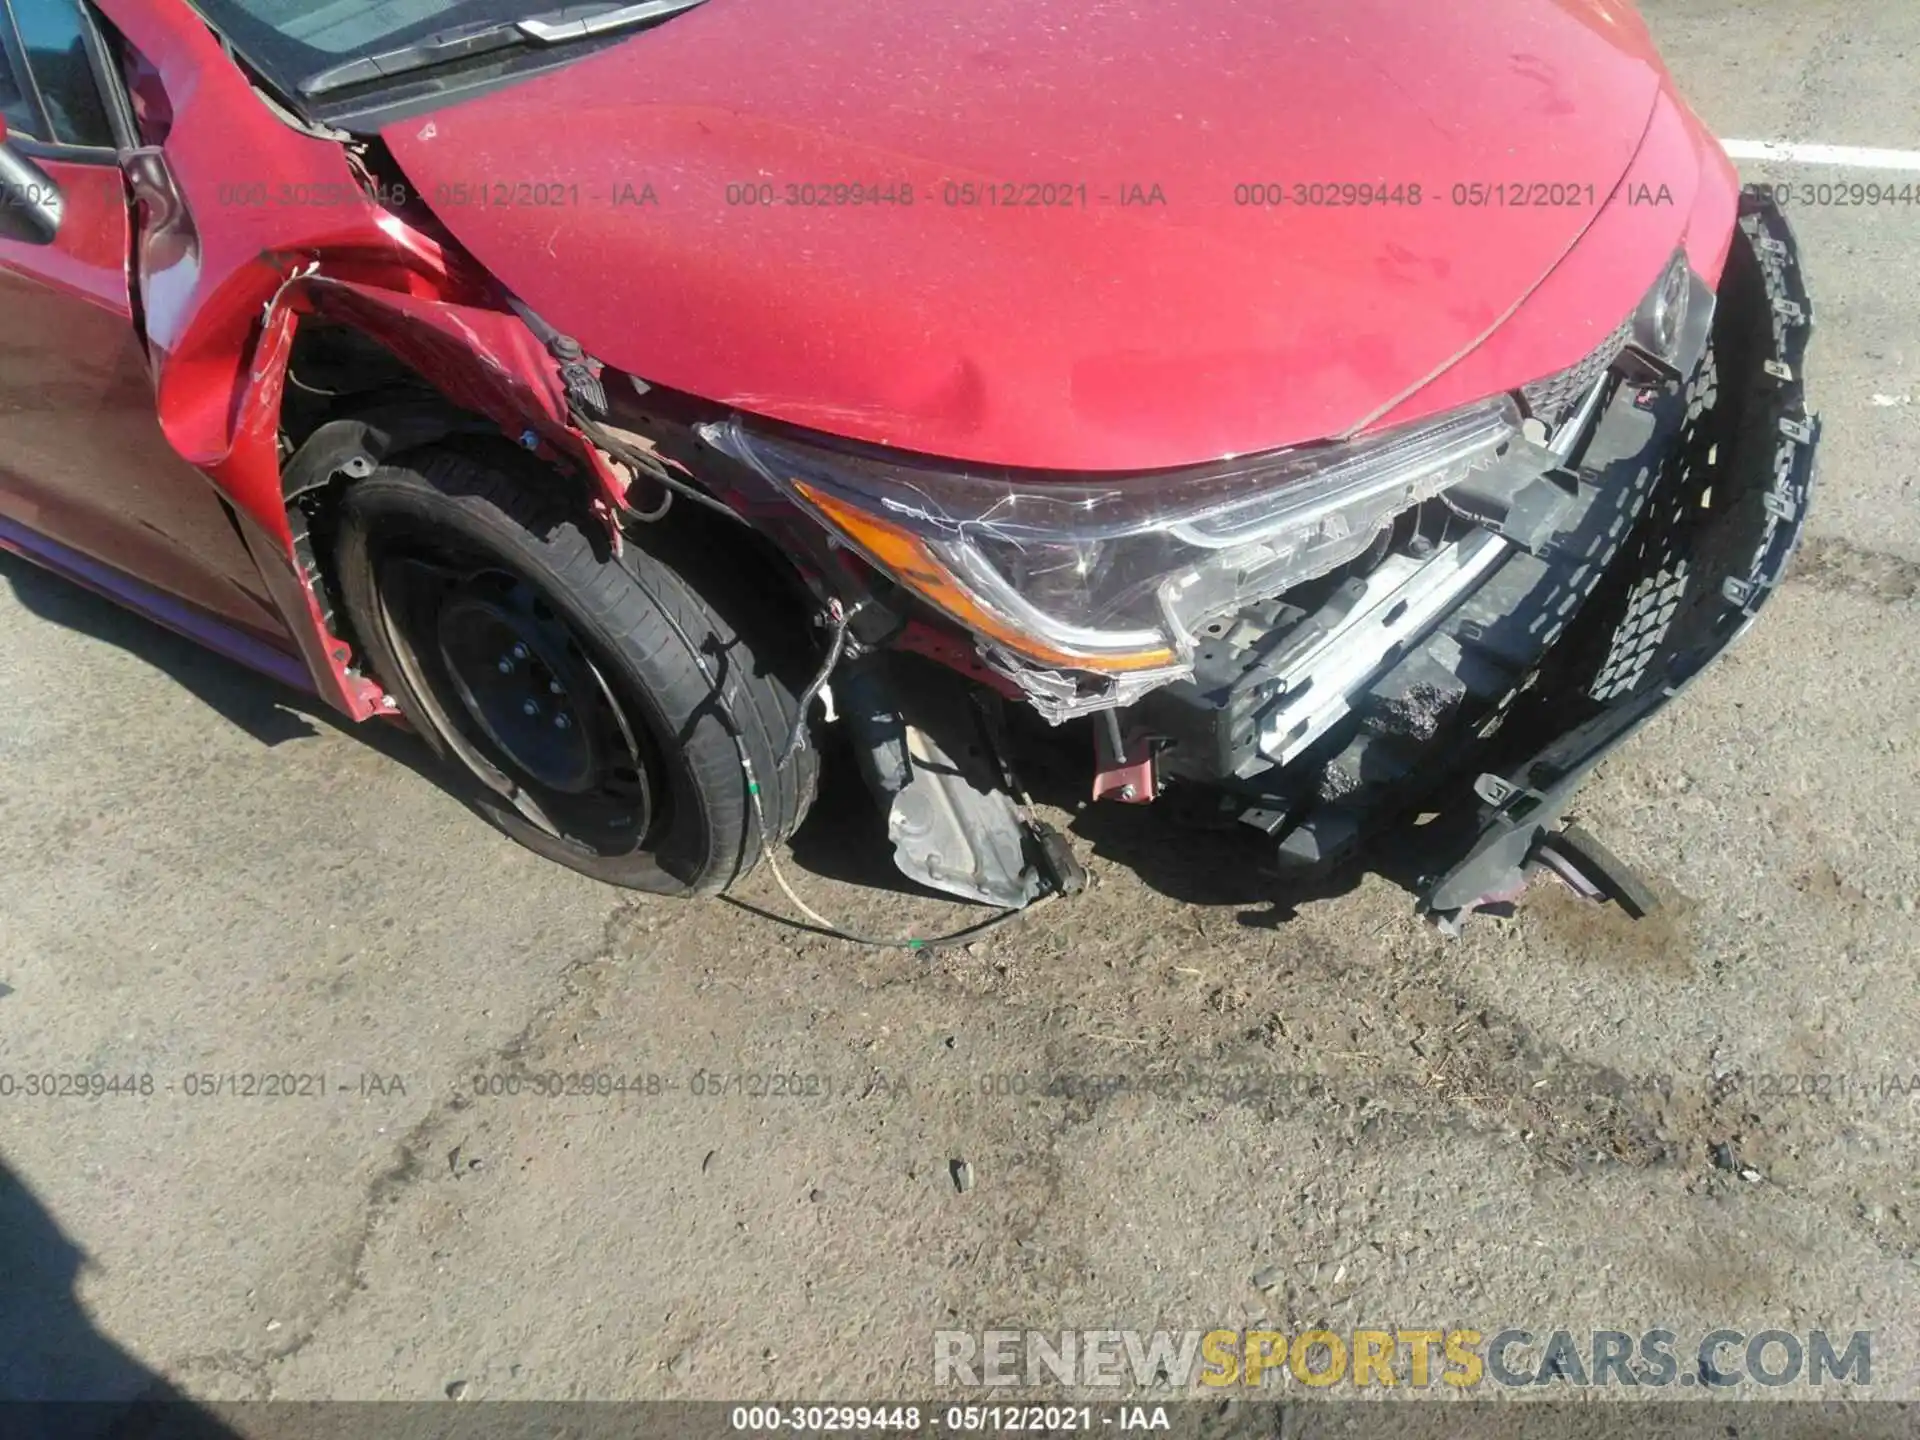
<point>907,559</point>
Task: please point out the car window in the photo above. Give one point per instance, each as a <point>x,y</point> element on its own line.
<point>13,100</point>
<point>289,40</point>
<point>51,35</point>
<point>294,38</point>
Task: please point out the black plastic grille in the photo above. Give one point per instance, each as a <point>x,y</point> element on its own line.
<point>1553,397</point>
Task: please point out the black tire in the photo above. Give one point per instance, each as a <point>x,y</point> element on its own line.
<point>636,619</point>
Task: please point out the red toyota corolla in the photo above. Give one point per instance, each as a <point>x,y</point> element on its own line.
<point>1339,410</point>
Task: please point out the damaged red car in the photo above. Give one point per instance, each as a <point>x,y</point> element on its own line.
<point>1339,412</point>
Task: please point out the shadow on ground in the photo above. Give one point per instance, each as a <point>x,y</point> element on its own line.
<point>264,709</point>
<point>61,1379</point>
<point>272,713</point>
<point>844,838</point>
<point>1194,859</point>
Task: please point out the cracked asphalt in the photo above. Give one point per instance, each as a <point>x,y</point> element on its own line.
<point>1562,1120</point>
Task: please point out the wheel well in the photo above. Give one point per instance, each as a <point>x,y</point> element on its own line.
<point>349,399</point>
<point>350,403</point>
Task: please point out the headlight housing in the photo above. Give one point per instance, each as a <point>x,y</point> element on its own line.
<point>1672,325</point>
<point>1660,324</point>
<point>1114,574</point>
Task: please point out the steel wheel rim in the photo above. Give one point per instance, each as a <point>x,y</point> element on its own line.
<point>451,618</point>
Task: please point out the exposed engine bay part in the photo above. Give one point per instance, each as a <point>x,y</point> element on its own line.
<point>579,373</point>
<point>956,819</point>
<point>1385,611</point>
<point>1570,578</point>
<point>1122,762</point>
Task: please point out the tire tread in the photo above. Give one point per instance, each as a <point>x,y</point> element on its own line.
<point>651,605</point>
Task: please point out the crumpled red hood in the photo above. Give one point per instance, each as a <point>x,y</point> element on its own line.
<point>1111,335</point>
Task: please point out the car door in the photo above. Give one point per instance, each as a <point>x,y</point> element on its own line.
<point>83,462</point>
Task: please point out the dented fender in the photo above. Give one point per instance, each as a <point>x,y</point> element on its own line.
<point>221,304</point>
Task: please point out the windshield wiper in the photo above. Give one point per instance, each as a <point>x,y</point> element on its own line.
<point>555,27</point>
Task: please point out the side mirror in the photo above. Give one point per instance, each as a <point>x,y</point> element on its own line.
<point>31,206</point>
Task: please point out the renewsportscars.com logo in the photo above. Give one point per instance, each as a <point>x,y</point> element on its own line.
<point>1409,1358</point>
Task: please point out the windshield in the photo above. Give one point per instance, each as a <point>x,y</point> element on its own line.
<point>290,39</point>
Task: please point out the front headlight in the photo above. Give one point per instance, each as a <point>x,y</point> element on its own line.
<point>1116,574</point>
<point>1660,324</point>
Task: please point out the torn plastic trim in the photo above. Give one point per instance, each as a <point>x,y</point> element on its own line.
<point>950,834</point>
<point>349,448</point>
<point>958,821</point>
<point>1568,438</point>
<point>1519,808</point>
<point>502,382</point>
<point>1062,695</point>
<point>511,377</point>
<point>354,446</point>
<point>1673,349</point>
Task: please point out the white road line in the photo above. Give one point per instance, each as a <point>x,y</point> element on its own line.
<point>1856,157</point>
